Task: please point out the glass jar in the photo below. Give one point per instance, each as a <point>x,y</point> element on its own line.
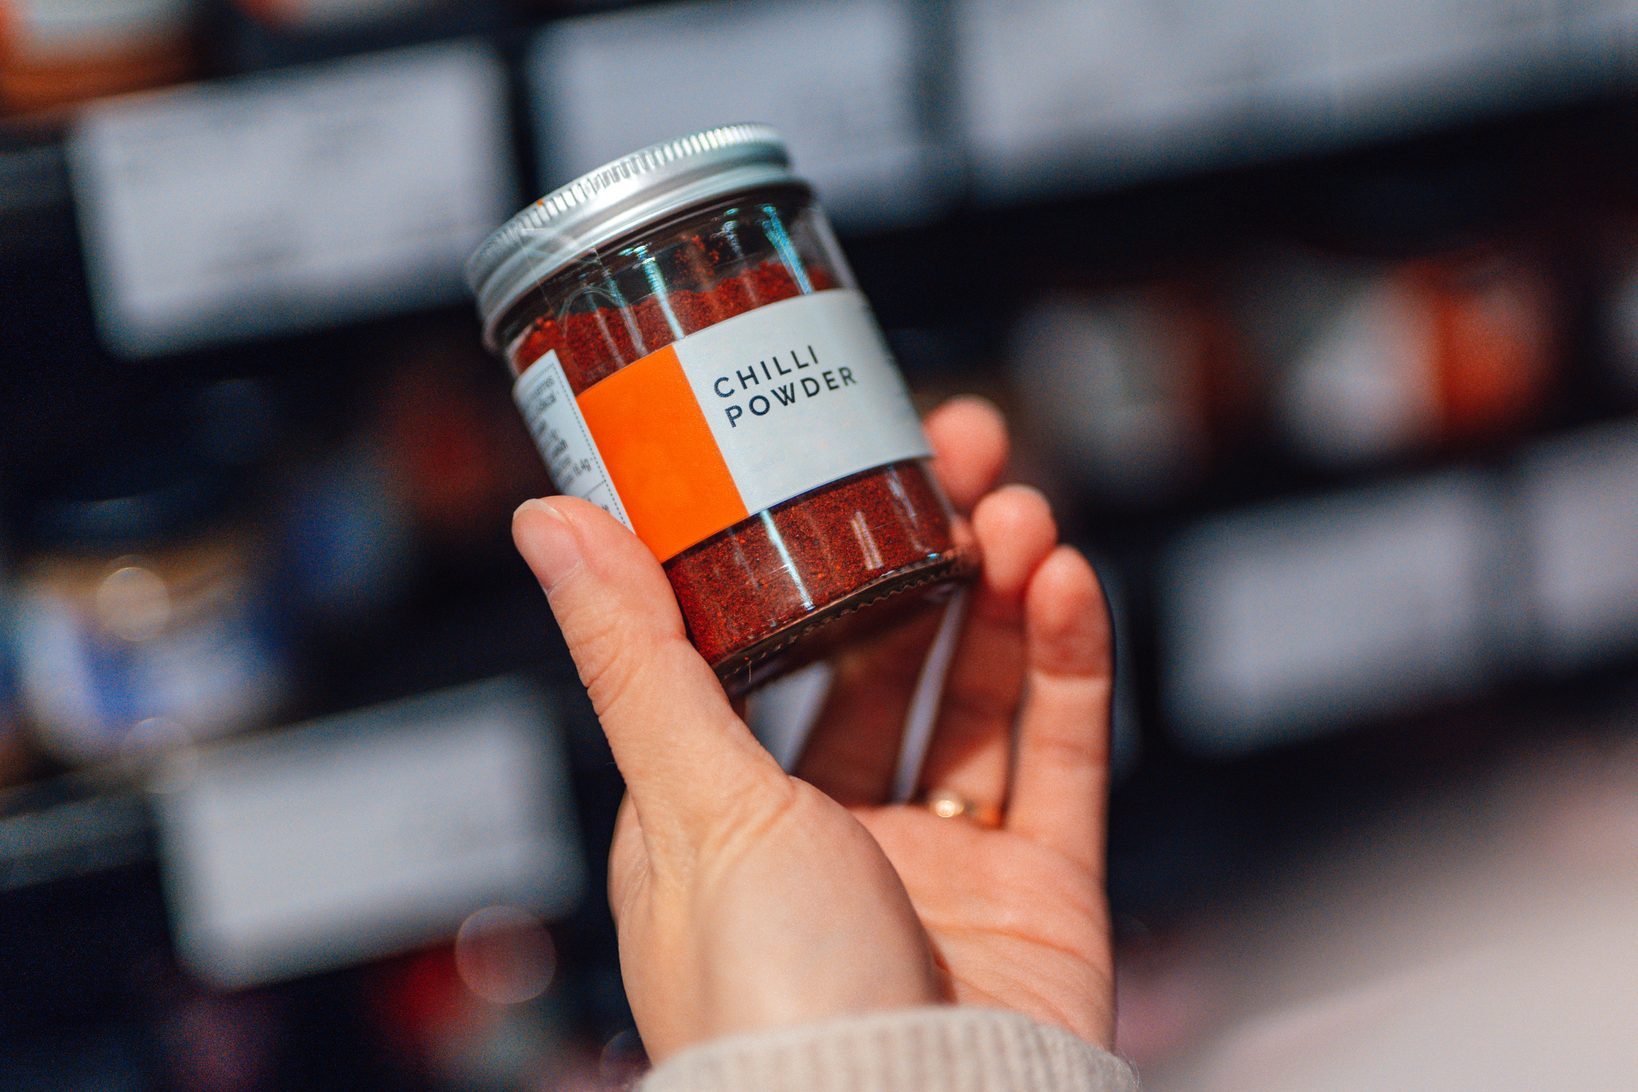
<point>692,354</point>
<point>55,54</point>
<point>145,616</point>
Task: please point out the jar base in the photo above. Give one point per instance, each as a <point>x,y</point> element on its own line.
<point>882,604</point>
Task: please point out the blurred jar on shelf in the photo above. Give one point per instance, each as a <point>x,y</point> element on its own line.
<point>1372,359</point>
<point>56,53</point>
<point>143,619</point>
<point>1415,313</point>
<point>1134,390</point>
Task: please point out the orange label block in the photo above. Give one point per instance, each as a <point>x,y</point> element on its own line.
<point>661,455</point>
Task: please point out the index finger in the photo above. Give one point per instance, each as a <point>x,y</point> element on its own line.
<point>684,752</point>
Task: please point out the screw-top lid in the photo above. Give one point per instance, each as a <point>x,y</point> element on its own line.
<point>617,198</point>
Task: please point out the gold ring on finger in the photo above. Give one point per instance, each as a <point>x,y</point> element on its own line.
<point>949,804</point>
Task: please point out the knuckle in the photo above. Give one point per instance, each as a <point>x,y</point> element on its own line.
<point>603,648</point>
<point>748,818</point>
<point>627,892</point>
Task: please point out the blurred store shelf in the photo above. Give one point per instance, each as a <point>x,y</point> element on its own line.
<point>1060,95</point>
<point>360,836</point>
<point>57,831</point>
<point>1138,197</point>
<point>1318,322</point>
<point>329,190</point>
<point>292,200</point>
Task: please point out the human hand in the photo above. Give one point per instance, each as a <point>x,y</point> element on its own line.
<point>746,898</point>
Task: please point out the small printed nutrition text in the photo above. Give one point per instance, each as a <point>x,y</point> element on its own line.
<point>776,381</point>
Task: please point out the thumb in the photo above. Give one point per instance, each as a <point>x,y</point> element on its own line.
<point>683,751</point>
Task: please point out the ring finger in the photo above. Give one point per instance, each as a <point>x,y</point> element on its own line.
<point>972,740</point>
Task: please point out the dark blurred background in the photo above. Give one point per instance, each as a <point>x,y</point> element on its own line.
<point>1318,321</point>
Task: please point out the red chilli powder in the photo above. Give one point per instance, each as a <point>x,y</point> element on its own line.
<point>834,522</point>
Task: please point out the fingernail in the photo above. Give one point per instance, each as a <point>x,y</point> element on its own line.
<point>546,541</point>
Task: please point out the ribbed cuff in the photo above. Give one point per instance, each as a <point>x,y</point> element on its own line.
<point>948,1049</point>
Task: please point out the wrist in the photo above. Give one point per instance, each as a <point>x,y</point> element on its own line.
<point>748,993</point>
<point>903,1050</point>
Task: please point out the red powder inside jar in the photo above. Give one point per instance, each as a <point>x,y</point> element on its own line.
<point>750,592</point>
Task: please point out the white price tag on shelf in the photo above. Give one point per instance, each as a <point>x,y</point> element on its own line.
<point>1293,619</point>
<point>840,80</point>
<point>365,834</point>
<point>1057,90</point>
<point>1580,497</point>
<point>293,199</point>
<point>1076,92</point>
<point>1395,65</point>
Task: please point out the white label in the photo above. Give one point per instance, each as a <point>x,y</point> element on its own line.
<point>791,396</point>
<point>291,199</point>
<point>365,834</point>
<point>840,80</point>
<point>1580,496</point>
<point>1289,619</point>
<point>1053,91</point>
<point>801,393</point>
<point>546,400</point>
<point>1057,92</point>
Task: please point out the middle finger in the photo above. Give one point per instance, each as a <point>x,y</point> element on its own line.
<point>854,746</point>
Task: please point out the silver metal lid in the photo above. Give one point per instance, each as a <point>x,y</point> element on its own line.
<point>615,199</point>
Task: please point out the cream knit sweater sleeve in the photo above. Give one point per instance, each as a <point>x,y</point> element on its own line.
<point>950,1048</point>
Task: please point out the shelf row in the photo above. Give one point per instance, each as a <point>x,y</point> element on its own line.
<point>357,834</point>
<point>313,194</point>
